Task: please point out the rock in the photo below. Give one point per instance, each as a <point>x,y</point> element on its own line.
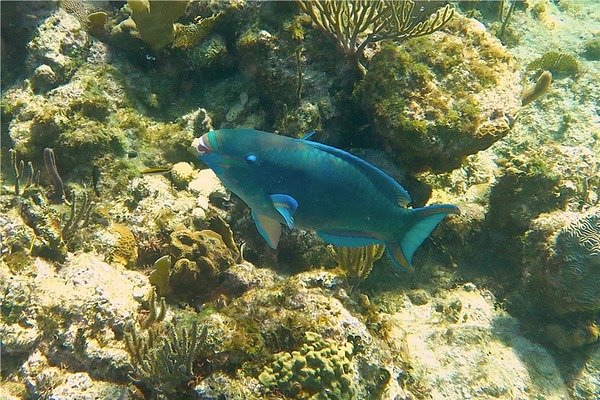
<point>586,385</point>
<point>80,386</point>
<point>182,174</point>
<point>86,304</point>
<point>549,178</point>
<point>60,43</point>
<point>460,347</point>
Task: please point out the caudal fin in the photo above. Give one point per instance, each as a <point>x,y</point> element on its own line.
<point>424,222</point>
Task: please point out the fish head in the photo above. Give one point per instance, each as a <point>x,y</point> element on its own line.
<point>234,150</point>
<point>237,156</point>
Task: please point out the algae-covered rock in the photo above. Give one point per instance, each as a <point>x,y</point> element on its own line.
<point>59,48</point>
<point>586,385</point>
<point>538,181</point>
<point>340,342</point>
<point>85,304</point>
<point>439,98</point>
<point>81,386</point>
<point>562,260</point>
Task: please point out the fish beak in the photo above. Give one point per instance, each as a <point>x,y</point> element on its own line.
<point>204,148</point>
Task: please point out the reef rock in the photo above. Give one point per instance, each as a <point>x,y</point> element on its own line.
<point>587,384</point>
<point>85,304</point>
<point>57,50</point>
<point>438,98</point>
<point>547,179</point>
<point>461,347</point>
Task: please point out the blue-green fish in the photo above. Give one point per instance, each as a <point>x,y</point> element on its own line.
<point>308,185</point>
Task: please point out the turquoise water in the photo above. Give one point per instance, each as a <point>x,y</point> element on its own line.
<point>128,270</point>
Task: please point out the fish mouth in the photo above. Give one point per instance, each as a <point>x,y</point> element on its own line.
<point>204,147</point>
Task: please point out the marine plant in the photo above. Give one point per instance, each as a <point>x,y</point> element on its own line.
<point>160,276</point>
<point>355,24</point>
<point>541,86</point>
<point>57,182</point>
<point>163,356</point>
<point>188,36</point>
<point>78,218</point>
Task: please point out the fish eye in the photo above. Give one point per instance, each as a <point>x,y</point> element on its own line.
<point>250,159</point>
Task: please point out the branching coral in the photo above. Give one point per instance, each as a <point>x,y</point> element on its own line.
<point>355,24</point>
<point>25,175</point>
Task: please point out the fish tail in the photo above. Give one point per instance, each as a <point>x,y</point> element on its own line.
<point>424,220</point>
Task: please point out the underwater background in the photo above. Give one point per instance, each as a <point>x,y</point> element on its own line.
<point>127,271</point>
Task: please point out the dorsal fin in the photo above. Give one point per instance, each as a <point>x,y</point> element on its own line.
<point>308,135</point>
<point>383,181</point>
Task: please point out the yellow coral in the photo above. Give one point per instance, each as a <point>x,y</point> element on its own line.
<point>154,20</point>
<point>125,250</point>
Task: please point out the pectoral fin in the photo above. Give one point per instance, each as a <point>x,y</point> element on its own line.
<point>286,206</point>
<point>268,228</point>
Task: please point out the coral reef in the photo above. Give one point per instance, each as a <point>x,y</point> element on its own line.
<point>73,316</point>
<point>230,318</point>
<point>461,346</point>
<point>548,179</point>
<point>556,62</point>
<point>200,258</point>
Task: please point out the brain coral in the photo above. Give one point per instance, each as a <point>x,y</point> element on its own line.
<point>321,369</point>
<point>564,260</point>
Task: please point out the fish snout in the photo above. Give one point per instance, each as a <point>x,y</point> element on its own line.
<point>203,146</point>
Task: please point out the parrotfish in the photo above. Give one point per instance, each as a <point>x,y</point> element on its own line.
<point>305,184</point>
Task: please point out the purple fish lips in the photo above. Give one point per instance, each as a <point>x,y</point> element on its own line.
<point>204,148</point>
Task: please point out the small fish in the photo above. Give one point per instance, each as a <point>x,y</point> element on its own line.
<point>157,170</point>
<point>308,185</point>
